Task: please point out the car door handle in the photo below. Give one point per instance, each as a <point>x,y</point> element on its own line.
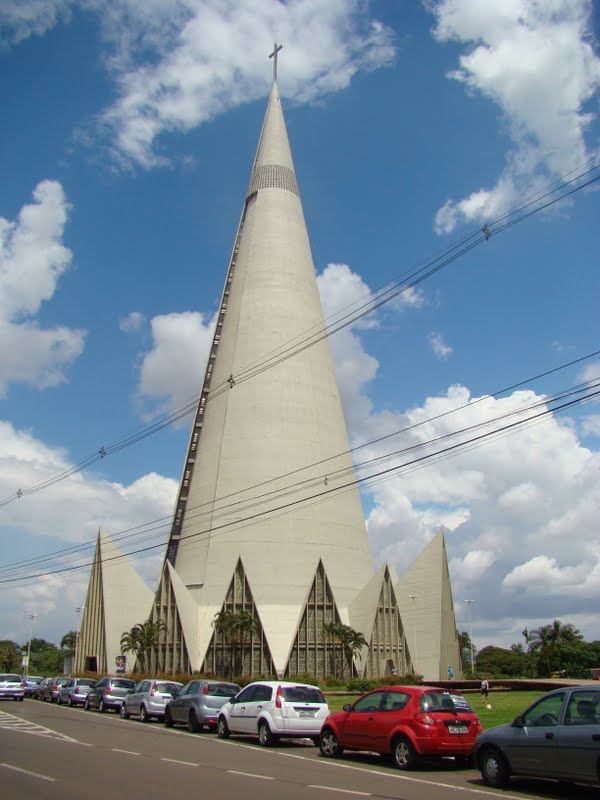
<point>549,736</point>
<point>259,708</point>
<point>370,719</point>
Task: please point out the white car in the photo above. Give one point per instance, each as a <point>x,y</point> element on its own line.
<point>270,709</point>
<point>12,685</point>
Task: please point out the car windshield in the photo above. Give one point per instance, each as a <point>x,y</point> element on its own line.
<point>222,689</point>
<point>302,694</point>
<point>168,688</point>
<point>437,701</point>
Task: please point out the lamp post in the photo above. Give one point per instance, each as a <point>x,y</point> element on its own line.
<point>469,604</point>
<point>78,609</point>
<point>32,616</point>
<point>412,598</point>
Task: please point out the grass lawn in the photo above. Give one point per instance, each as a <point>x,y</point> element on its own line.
<point>505,705</point>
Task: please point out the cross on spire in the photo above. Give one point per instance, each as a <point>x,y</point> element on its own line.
<point>273,55</point>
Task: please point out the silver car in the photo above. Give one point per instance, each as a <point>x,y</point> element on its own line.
<point>557,737</point>
<point>74,691</point>
<point>12,686</point>
<point>31,681</point>
<point>149,698</point>
<point>51,689</point>
<point>109,692</point>
<point>198,703</point>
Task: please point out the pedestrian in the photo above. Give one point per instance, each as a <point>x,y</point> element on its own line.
<point>484,690</point>
<point>451,673</point>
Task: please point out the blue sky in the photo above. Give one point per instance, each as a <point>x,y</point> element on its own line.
<point>126,145</point>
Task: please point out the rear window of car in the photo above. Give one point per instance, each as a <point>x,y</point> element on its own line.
<point>10,678</point>
<point>168,688</point>
<point>85,682</point>
<point>437,701</point>
<point>460,703</point>
<point>222,689</point>
<point>123,683</point>
<point>302,694</point>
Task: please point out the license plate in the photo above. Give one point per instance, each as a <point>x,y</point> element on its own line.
<point>457,729</point>
<point>306,712</point>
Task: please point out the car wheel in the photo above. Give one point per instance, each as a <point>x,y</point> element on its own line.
<point>405,756</point>
<point>101,707</point>
<point>494,769</point>
<point>168,719</point>
<point>70,701</point>
<point>329,745</point>
<point>193,724</point>
<point>87,705</point>
<point>222,729</point>
<point>143,713</point>
<point>265,737</point>
<point>20,699</point>
<point>123,713</point>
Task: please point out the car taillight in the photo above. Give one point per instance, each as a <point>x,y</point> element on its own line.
<point>107,690</point>
<point>152,690</point>
<point>278,697</point>
<point>425,719</point>
<point>205,689</point>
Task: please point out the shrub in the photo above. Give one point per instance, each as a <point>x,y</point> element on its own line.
<point>361,685</point>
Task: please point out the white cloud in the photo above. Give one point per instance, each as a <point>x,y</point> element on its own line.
<point>439,346</point>
<point>178,70</point>
<point>20,19</point>
<point>70,512</point>
<point>132,322</point>
<point>537,63</point>
<point>590,425</point>
<point>32,260</point>
<point>173,369</point>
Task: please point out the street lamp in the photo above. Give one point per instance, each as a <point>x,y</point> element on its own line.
<point>32,616</point>
<point>77,610</point>
<point>470,603</point>
<point>413,597</point>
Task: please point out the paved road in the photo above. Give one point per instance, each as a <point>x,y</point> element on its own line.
<point>49,752</point>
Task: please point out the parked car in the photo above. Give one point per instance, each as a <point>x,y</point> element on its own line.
<point>31,681</point>
<point>38,691</point>
<point>149,698</point>
<point>404,721</point>
<point>12,686</point>
<point>74,691</point>
<point>198,703</point>
<point>52,688</point>
<point>108,692</point>
<point>270,709</point>
<point>557,737</point>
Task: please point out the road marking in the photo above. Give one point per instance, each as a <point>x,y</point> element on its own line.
<point>174,761</point>
<point>28,772</point>
<point>250,775</point>
<point>127,752</point>
<point>335,789</point>
<point>10,722</point>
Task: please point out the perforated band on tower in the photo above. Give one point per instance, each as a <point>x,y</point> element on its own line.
<point>272,176</point>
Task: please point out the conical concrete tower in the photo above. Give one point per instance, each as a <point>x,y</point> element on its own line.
<point>261,522</point>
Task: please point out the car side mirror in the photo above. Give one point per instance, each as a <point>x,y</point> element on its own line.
<point>518,722</point>
<point>346,707</point>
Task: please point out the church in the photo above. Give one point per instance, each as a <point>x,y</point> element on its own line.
<point>268,517</point>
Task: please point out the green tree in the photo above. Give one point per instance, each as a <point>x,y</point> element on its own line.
<point>548,642</point>
<point>235,627</point>
<point>499,662</point>
<point>142,639</point>
<point>10,656</point>
<point>466,650</point>
<point>68,641</point>
<point>348,641</point>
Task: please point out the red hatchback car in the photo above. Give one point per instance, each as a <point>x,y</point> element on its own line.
<point>405,722</point>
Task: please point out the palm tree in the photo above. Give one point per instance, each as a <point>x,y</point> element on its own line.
<point>68,641</point>
<point>142,639</point>
<point>234,627</point>
<point>332,631</point>
<point>355,641</point>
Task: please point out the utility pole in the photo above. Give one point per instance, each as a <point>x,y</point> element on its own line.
<point>32,616</point>
<point>412,598</point>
